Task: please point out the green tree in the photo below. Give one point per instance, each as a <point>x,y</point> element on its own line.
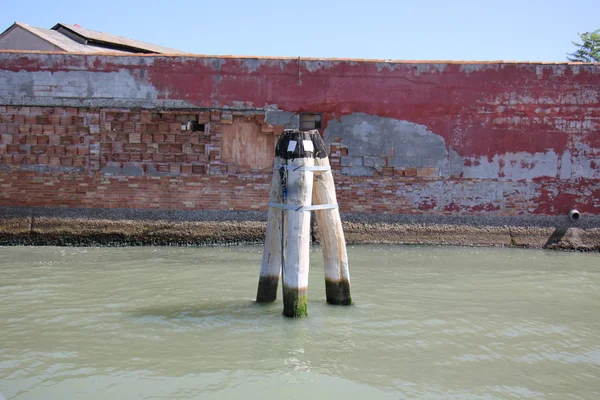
<point>589,49</point>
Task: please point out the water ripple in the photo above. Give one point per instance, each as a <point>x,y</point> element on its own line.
<point>180,323</point>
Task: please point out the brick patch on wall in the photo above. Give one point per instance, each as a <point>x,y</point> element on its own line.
<point>172,160</point>
<point>122,141</point>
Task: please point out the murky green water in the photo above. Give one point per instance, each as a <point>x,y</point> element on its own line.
<point>179,323</point>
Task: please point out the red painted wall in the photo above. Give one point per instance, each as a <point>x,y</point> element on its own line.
<point>486,112</point>
<point>444,97</point>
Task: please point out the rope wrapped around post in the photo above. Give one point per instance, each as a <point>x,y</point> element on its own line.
<point>302,181</point>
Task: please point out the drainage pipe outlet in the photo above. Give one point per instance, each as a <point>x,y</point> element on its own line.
<point>574,215</point>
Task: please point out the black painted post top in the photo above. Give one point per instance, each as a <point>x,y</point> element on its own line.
<point>300,150</point>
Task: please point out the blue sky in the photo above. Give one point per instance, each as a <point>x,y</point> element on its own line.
<point>520,30</point>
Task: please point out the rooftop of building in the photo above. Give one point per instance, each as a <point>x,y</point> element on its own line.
<point>75,39</point>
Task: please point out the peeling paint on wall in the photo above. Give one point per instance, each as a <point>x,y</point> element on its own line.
<point>585,162</point>
<point>251,64</point>
<point>508,138</point>
<point>289,120</point>
<point>442,196</point>
<point>75,84</point>
<point>512,166</point>
<point>379,142</point>
<point>370,135</point>
<point>395,143</point>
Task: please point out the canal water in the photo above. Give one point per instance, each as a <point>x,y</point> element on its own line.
<point>180,323</point>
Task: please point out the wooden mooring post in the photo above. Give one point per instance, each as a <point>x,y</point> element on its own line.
<point>302,182</point>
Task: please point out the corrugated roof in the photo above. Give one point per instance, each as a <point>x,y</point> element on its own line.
<point>119,40</point>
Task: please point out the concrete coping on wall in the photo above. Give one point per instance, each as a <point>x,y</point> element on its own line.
<point>288,58</point>
<point>116,214</point>
<point>134,227</point>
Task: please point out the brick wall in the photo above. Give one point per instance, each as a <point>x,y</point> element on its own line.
<point>48,136</point>
<point>150,159</point>
<point>148,132</point>
<point>70,157</point>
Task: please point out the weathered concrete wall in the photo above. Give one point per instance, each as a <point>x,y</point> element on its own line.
<point>129,226</point>
<point>406,138</point>
<point>21,39</point>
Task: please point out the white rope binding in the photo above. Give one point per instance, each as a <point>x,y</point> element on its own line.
<point>292,207</point>
<point>303,167</point>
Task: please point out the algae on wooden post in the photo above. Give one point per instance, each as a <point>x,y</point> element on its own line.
<point>302,174</point>
<point>270,268</point>
<point>335,256</point>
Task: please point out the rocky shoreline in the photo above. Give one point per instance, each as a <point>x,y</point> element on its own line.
<point>86,227</point>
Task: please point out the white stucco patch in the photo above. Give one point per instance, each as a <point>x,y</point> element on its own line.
<point>585,162</point>
<point>442,194</point>
<point>528,166</point>
<point>565,165</point>
<point>481,167</point>
<point>512,166</point>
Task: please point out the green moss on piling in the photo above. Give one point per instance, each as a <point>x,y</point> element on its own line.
<point>295,302</point>
<point>338,292</point>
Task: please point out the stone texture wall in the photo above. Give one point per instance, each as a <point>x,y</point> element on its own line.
<point>405,138</point>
